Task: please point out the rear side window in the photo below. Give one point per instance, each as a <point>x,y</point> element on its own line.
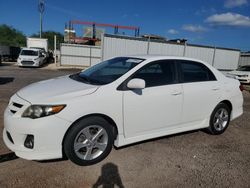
<point>191,71</point>
<point>157,73</point>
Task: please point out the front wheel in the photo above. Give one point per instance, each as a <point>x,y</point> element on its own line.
<point>89,141</point>
<point>219,119</point>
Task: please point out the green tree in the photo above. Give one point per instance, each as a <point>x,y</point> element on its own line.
<point>50,36</point>
<point>11,37</point>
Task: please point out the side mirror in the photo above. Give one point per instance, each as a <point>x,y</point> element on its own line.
<point>136,83</point>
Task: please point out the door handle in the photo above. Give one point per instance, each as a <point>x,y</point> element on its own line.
<point>176,93</point>
<point>216,89</point>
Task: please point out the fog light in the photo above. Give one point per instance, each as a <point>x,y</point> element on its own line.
<point>29,141</point>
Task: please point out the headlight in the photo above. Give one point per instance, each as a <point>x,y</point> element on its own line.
<point>38,111</point>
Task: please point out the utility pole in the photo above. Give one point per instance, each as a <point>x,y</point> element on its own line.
<point>41,7</point>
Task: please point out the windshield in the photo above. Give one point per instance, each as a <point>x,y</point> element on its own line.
<point>29,52</point>
<point>244,68</point>
<point>107,71</point>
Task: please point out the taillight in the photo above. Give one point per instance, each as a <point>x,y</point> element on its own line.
<point>241,87</point>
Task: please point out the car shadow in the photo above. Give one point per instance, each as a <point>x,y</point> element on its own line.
<point>109,177</point>
<point>8,157</point>
<point>52,160</point>
<point>6,80</point>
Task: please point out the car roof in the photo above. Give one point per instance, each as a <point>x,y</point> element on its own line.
<point>159,57</point>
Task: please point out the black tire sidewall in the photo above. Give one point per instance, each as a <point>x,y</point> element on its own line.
<point>68,145</point>
<point>211,127</point>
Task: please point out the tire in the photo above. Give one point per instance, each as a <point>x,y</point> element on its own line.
<point>89,141</point>
<point>219,119</point>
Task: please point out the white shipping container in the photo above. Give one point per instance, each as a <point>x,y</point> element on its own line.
<point>37,43</point>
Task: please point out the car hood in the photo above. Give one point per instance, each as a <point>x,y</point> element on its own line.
<point>239,72</point>
<point>55,90</point>
<point>27,57</point>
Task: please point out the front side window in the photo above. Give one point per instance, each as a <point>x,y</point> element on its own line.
<point>107,71</point>
<point>195,72</point>
<point>157,73</point>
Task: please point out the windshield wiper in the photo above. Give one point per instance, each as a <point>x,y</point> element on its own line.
<point>86,79</point>
<point>79,78</point>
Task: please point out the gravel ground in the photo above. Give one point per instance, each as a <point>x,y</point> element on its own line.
<point>193,159</point>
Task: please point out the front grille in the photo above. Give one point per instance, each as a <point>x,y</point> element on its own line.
<point>27,62</point>
<point>17,105</point>
<point>241,75</point>
<point>241,80</point>
<point>13,111</point>
<point>14,107</point>
<point>9,137</point>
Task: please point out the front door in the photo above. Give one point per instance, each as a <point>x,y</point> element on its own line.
<point>158,106</point>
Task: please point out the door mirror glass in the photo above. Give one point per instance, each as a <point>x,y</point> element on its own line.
<point>136,83</point>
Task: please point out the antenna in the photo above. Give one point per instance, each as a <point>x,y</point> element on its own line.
<point>41,8</point>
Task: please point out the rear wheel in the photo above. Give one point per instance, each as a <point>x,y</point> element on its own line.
<point>219,119</point>
<point>89,141</point>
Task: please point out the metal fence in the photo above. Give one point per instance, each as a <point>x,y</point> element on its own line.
<point>79,55</point>
<point>220,58</point>
<point>244,59</point>
<point>113,45</point>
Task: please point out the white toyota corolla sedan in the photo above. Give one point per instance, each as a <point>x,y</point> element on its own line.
<point>118,102</point>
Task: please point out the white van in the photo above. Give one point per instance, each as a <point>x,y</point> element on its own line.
<point>31,57</point>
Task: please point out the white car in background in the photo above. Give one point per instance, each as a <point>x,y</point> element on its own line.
<point>242,74</point>
<point>31,57</point>
<point>118,102</point>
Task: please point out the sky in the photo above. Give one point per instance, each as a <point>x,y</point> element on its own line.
<point>221,23</point>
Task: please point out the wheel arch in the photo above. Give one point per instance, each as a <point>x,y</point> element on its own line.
<point>107,118</point>
<point>228,103</point>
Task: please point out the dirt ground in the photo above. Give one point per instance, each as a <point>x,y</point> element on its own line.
<point>193,159</point>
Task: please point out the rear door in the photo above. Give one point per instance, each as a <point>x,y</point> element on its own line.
<point>201,91</point>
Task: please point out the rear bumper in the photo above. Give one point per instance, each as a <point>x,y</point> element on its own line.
<point>237,106</point>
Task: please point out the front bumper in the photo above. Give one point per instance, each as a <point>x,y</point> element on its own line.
<point>243,80</point>
<point>30,63</point>
<point>48,134</point>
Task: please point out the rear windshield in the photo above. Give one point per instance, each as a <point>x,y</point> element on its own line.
<point>29,52</point>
